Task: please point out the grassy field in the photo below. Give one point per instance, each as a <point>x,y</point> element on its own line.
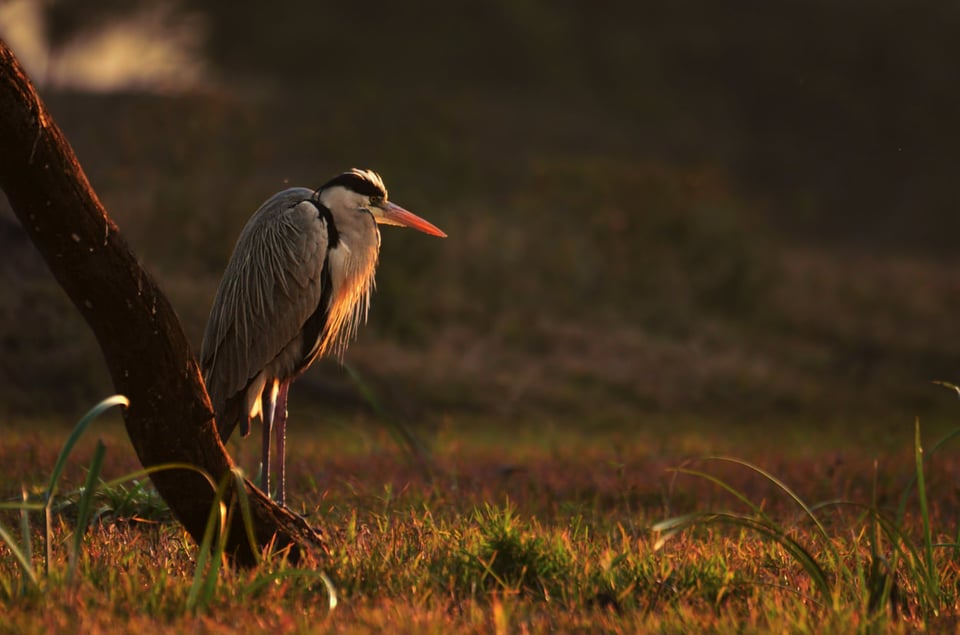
<point>493,531</point>
<point>693,237</point>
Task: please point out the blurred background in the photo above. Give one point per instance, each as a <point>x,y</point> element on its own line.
<point>739,216</point>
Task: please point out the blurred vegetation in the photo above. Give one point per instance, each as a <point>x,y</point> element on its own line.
<point>730,211</point>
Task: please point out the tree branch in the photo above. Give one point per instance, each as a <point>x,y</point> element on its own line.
<point>143,343</point>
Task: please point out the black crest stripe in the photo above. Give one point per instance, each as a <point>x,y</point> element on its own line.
<point>357,182</point>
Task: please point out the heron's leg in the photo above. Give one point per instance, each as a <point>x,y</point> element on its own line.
<point>280,433</point>
<point>267,412</point>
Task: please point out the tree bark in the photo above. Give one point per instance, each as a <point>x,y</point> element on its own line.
<point>143,343</point>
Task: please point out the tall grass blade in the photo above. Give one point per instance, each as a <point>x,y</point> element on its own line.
<point>147,471</point>
<point>921,565</point>
<point>25,565</point>
<point>932,576</point>
<point>25,527</point>
<point>78,430</point>
<point>200,593</point>
<point>761,523</point>
<point>740,496</point>
<point>401,433</point>
<point>85,507</point>
<point>789,492</point>
<point>226,520</point>
<point>804,558</point>
<point>948,385</point>
<point>264,580</point>
<point>881,577</point>
<point>246,514</point>
<point>47,539</point>
<point>807,510</point>
<point>667,529</point>
<point>904,498</point>
<point>216,563</point>
<point>61,463</point>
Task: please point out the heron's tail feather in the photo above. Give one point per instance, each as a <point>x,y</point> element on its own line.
<point>232,414</point>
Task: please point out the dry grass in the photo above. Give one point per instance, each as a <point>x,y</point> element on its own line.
<point>525,532</point>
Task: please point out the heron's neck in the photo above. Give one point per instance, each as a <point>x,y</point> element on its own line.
<point>352,263</point>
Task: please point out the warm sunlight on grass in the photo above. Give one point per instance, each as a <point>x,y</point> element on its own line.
<point>592,533</point>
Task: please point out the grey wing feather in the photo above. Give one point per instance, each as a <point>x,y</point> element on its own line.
<point>270,288</point>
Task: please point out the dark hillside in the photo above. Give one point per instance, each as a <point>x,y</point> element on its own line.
<point>653,209</point>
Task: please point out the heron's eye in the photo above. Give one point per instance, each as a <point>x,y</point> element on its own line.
<point>376,201</point>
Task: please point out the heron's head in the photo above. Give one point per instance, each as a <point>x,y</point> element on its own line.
<point>363,191</point>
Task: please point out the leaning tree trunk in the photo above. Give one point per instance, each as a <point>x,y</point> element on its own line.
<point>147,353</point>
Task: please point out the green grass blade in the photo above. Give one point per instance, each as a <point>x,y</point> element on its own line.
<point>61,463</point>
<point>672,526</point>
<point>246,514</point>
<point>905,551</point>
<point>219,544</point>
<point>199,594</point>
<point>25,505</point>
<point>932,576</point>
<point>47,538</point>
<point>25,527</point>
<point>401,433</point>
<point>85,507</point>
<point>331,590</point>
<point>147,471</point>
<point>785,489</point>
<point>212,576</point>
<point>78,430</point>
<point>263,581</point>
<point>879,583</point>
<point>740,496</point>
<point>761,523</point>
<point>902,508</point>
<point>807,510</point>
<point>948,385</point>
<point>769,530</point>
<point>25,565</point>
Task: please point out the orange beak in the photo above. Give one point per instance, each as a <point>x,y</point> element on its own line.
<point>392,214</point>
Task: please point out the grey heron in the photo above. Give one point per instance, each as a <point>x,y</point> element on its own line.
<point>296,288</point>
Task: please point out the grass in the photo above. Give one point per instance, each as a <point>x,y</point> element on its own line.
<point>599,534</point>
